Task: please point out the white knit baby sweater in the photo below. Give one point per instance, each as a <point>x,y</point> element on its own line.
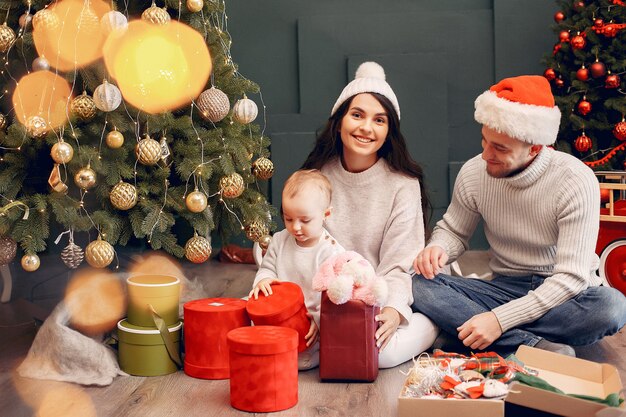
<point>378,213</point>
<point>541,221</point>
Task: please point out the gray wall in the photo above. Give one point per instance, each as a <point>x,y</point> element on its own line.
<point>438,56</point>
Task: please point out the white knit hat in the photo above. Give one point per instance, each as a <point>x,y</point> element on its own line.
<point>522,108</point>
<point>369,78</point>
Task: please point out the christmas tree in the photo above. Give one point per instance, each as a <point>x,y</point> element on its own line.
<point>126,121</point>
<point>586,69</point>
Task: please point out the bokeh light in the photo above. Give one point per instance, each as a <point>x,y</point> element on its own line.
<point>95,300</point>
<point>157,262</point>
<point>43,94</point>
<point>75,42</point>
<point>50,398</point>
<point>158,68</point>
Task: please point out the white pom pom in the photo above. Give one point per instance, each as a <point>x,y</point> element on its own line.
<point>340,290</point>
<point>370,70</point>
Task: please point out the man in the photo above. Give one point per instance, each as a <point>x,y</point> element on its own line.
<point>540,209</point>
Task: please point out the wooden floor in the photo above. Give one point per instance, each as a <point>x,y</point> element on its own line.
<point>179,395</point>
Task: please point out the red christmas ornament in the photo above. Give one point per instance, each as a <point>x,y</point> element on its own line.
<point>564,36</point>
<point>559,16</point>
<point>619,130</point>
<point>578,42</point>
<point>579,5</point>
<point>605,194</point>
<point>559,83</point>
<point>582,74</point>
<point>612,81</point>
<point>584,107</point>
<point>557,48</point>
<point>550,74</point>
<point>598,23</point>
<point>597,69</point>
<point>609,31</point>
<point>582,143</point>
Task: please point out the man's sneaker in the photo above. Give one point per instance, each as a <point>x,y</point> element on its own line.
<point>560,348</point>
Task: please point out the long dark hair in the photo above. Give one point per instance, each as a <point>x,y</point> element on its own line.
<point>328,146</point>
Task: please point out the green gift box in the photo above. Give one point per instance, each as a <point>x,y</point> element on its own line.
<point>144,352</point>
<point>159,292</point>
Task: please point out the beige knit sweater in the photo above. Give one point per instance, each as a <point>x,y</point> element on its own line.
<point>541,221</point>
<point>378,214</point>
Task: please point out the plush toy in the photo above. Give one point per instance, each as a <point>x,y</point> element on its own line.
<point>349,276</point>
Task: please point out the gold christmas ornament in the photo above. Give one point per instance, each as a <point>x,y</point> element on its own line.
<point>3,121</point>
<point>30,262</point>
<point>99,253</point>
<point>25,20</point>
<point>114,139</point>
<point>85,178</point>
<point>55,181</point>
<point>148,151</point>
<point>156,15</point>
<point>36,127</point>
<point>198,249</point>
<point>245,110</point>
<point>123,196</point>
<point>7,37</point>
<point>46,20</point>
<point>41,64</point>
<point>72,255</point>
<point>265,241</point>
<point>256,230</point>
<point>62,152</point>
<point>107,97</point>
<point>196,201</point>
<point>263,168</point>
<point>8,250</point>
<point>232,185</point>
<point>213,104</point>
<point>195,5</point>
<point>83,107</point>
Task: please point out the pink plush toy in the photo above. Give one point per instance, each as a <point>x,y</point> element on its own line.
<point>349,276</point>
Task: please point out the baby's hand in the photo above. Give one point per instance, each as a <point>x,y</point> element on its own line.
<point>313,334</point>
<point>264,285</point>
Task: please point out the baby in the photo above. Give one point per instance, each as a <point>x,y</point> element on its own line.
<point>296,253</point>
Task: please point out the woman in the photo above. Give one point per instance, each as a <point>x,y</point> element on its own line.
<point>379,203</point>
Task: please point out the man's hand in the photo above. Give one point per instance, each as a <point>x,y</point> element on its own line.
<point>265,285</point>
<point>480,331</point>
<point>389,319</point>
<point>313,334</point>
<point>430,261</point>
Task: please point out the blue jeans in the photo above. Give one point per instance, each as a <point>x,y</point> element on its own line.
<point>451,301</point>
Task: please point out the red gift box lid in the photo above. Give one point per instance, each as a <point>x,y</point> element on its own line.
<point>262,340</point>
<point>287,299</point>
<point>210,305</point>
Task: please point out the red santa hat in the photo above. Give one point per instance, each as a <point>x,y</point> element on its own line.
<point>522,108</point>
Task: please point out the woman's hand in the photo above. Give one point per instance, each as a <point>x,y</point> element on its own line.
<point>389,320</point>
<point>265,285</point>
<point>313,334</point>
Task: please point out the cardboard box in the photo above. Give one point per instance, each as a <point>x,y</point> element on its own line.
<point>571,375</point>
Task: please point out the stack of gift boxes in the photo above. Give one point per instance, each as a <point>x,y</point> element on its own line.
<point>220,342</point>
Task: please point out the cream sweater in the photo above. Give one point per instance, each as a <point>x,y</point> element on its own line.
<point>542,221</point>
<point>378,213</point>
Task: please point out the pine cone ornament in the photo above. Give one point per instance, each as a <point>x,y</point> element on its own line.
<point>123,196</point>
<point>256,230</point>
<point>213,104</point>
<point>198,249</point>
<point>148,151</point>
<point>83,107</point>
<point>99,253</point>
<point>232,185</point>
<point>156,15</point>
<point>72,255</point>
<point>263,168</point>
<point>8,250</point>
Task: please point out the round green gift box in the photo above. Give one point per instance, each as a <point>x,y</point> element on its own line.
<point>142,351</point>
<point>162,292</point>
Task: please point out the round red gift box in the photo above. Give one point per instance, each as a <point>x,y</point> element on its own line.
<point>285,307</point>
<point>263,368</point>
<point>207,322</point>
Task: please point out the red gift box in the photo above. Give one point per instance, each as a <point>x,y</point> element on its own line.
<point>285,308</point>
<point>263,368</point>
<point>207,322</point>
<point>348,348</point>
